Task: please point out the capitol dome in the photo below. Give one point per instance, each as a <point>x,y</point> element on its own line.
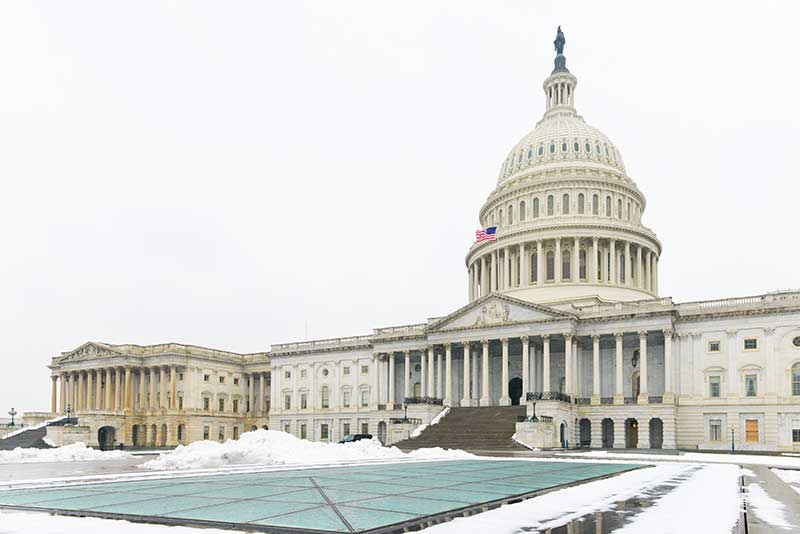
<point>568,217</point>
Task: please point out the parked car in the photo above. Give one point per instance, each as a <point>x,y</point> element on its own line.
<point>350,438</point>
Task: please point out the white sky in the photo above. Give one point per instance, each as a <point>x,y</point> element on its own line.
<point>226,173</point>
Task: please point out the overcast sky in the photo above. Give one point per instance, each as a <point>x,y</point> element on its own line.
<point>235,174</point>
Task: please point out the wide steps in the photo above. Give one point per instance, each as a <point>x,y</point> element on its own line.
<point>27,439</point>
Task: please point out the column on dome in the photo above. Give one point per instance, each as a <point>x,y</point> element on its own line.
<point>494,279</point>
<point>465,398</point>
<point>594,269</point>
<point>647,272</point>
<point>390,401</point>
<point>655,274</point>
<point>485,400</point>
<point>524,270</point>
<point>448,374</point>
<point>619,395</point>
<point>603,263</point>
<point>546,387</point>
<point>557,262</point>
<point>612,261</point>
<point>484,280</point>
<point>407,376</point>
<point>639,273</point>
<point>596,369</point>
<point>576,260</point>
<point>505,400</point>
<point>507,268</point>
<point>628,269</point>
<point>540,269</point>
<point>643,398</point>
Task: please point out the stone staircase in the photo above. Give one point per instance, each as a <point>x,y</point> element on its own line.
<point>33,437</point>
<point>479,430</point>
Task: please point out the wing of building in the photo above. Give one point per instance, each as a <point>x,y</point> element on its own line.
<point>563,315</point>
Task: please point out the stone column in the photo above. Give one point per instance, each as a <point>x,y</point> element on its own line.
<point>669,396</point>
<point>732,390</point>
<point>576,260</point>
<point>546,387</point>
<point>439,391</point>
<point>251,394</point>
<point>655,274</point>
<point>423,376</point>
<point>390,401</point>
<point>507,268</point>
<point>628,273</point>
<point>524,270</point>
<point>90,390</point>
<point>619,392</point>
<point>262,393</point>
<point>540,274</point>
<point>72,391</point>
<point>639,277</point>
<point>484,278</point>
<point>431,371</point>
<point>107,404</point>
<point>53,393</point>
<point>643,370</point>
<point>118,399</point>
<point>597,432</point>
<point>485,400</point>
<point>465,399</point>
<point>505,400</point>
<point>448,374</point>
<point>526,369</point>
<point>152,404</point>
<point>376,387</point>
<point>568,363</point>
<point>63,393</point>
<point>612,253</point>
<point>494,271</point>
<point>142,390</point>
<point>79,405</point>
<point>162,382</point>
<point>471,283</point>
<point>128,398</point>
<point>173,388</point>
<point>595,275</point>
<point>407,376</point>
<point>98,399</point>
<point>596,370</point>
<point>475,372</point>
<point>557,262</point>
<point>648,274</point>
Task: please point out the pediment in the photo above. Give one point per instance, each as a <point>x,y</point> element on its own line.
<point>497,310</point>
<point>89,351</point>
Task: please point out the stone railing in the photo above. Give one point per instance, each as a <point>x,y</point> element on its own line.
<point>322,344</point>
<point>399,330</point>
<point>583,400</point>
<point>655,399</point>
<point>630,400</point>
<point>777,299</point>
<point>534,419</point>
<point>606,400</point>
<point>629,307</point>
<point>423,400</point>
<point>548,395</point>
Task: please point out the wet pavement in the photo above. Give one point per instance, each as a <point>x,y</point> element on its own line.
<point>45,470</point>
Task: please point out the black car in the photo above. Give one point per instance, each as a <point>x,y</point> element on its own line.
<point>350,438</point>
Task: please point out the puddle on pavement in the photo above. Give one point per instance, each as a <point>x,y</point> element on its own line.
<point>608,520</point>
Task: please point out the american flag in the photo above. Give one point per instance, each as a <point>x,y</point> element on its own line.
<point>490,234</point>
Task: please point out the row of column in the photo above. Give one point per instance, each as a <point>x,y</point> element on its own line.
<point>257,405</point>
<point>111,388</point>
<point>442,385</point>
<point>535,263</point>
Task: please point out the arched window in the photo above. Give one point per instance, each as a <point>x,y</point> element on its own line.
<point>534,267</point>
<point>629,211</point>
<point>535,208</point>
<point>580,203</point>
<point>622,268</point>
<point>530,152</point>
<point>619,208</point>
<point>522,211</point>
<point>510,214</point>
<point>541,149</point>
<point>796,379</point>
<point>551,267</point>
<point>565,263</point>
<point>325,397</point>
<point>608,207</point>
<point>565,204</point>
<point>595,205</point>
<point>500,219</point>
<point>582,264</point>
<point>550,204</point>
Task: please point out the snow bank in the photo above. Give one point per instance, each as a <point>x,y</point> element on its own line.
<point>271,447</point>
<point>76,452</point>
<point>435,421</point>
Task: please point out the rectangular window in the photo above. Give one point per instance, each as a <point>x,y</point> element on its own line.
<point>222,380</point>
<point>180,377</point>
<point>287,374</point>
<point>346,370</point>
<point>795,431</point>
<point>715,430</point>
<point>206,432</point>
<point>751,344</point>
<point>221,405</point>
<point>364,398</point>
<point>346,398</point>
<point>236,432</point>
<point>235,407</point>
<point>206,378</point>
<point>302,373</point>
<point>286,428</point>
<point>303,431</point>
<point>287,402</point>
<point>180,403</point>
<point>206,403</point>
<point>365,428</point>
<point>751,430</point>
<point>323,432</point>
<point>303,401</point>
<point>713,346</point>
<point>364,369</point>
<point>750,383</point>
<point>222,432</point>
<point>346,429</point>
<point>713,386</point>
<point>235,381</point>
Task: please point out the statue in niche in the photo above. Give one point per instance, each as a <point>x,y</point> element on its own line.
<point>559,42</point>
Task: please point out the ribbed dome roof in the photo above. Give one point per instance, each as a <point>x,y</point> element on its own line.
<point>559,139</point>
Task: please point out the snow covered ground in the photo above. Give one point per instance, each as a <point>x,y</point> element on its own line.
<point>790,476</point>
<point>711,458</point>
<point>70,453</point>
<point>273,447</point>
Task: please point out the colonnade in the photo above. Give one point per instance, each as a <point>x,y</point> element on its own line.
<point>436,369</point>
<point>257,404</point>
<point>559,260</point>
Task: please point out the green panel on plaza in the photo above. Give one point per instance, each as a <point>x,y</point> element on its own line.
<point>334,500</point>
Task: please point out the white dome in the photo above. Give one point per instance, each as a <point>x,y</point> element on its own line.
<point>558,139</point>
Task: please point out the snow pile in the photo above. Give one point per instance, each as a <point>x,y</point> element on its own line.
<point>77,452</point>
<point>435,421</point>
<point>271,447</point>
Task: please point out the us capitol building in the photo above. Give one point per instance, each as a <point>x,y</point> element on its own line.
<point>563,311</point>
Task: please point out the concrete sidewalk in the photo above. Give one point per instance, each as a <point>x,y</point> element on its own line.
<point>785,503</point>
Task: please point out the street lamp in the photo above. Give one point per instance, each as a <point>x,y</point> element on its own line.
<point>69,410</point>
<point>405,412</point>
<point>733,448</point>
<point>12,413</point>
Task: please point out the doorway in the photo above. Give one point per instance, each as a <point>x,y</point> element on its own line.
<point>631,433</point>
<point>656,433</point>
<point>563,435</point>
<point>382,432</point>
<point>107,438</point>
<point>515,390</point>
<point>585,428</point>
<point>608,433</point>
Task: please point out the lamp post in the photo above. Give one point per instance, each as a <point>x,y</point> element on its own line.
<point>733,447</point>
<point>12,413</point>
<point>405,412</point>
<point>69,410</point>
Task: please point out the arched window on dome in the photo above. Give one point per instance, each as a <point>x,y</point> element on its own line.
<point>595,204</point>
<point>622,268</point>
<point>608,207</point>
<point>582,264</point>
<point>576,147</point>
<point>522,214</point>
<point>550,205</point>
<point>541,150</point>
<point>536,208</point>
<point>580,204</point>
<point>530,152</point>
<point>565,204</point>
<point>588,148</point>
<point>510,214</point>
<point>619,208</point>
<point>629,211</point>
<point>796,379</point>
<point>534,268</point>
<point>564,147</point>
<point>565,264</point>
<point>552,148</point>
<point>551,265</point>
<point>519,158</point>
<point>597,148</point>
<point>500,219</point>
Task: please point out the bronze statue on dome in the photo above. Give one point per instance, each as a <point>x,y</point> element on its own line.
<point>559,42</point>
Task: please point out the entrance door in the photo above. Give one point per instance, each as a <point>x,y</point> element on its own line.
<point>631,433</point>
<point>106,438</point>
<point>515,390</point>
<point>608,433</point>
<point>563,435</point>
<point>585,428</point>
<point>382,432</point>
<point>751,430</point>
